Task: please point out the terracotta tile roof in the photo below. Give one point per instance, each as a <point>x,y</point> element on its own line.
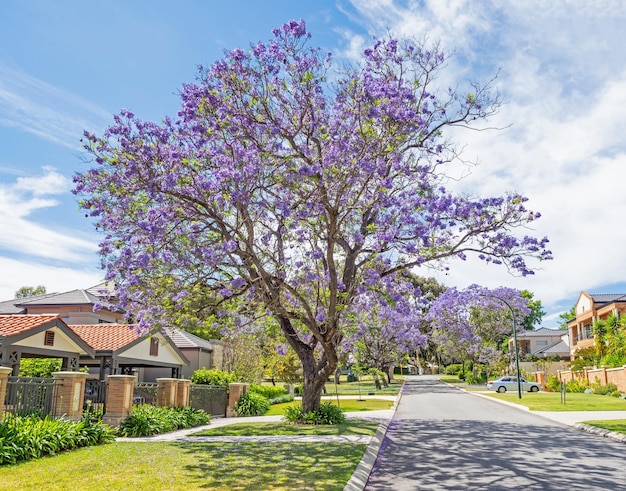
<point>15,324</point>
<point>107,337</point>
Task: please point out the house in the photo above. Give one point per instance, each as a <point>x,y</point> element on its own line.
<point>120,349</point>
<point>40,336</point>
<point>200,352</point>
<point>542,342</point>
<point>590,308</point>
<point>76,308</point>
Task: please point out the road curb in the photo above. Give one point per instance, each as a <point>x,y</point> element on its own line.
<point>618,437</point>
<point>361,474</point>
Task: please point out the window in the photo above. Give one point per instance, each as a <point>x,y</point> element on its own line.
<point>48,339</point>
<point>154,346</point>
<point>542,343</point>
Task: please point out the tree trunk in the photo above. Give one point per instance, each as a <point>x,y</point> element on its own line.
<point>315,372</point>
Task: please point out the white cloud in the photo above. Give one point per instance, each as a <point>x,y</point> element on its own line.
<point>22,235</point>
<point>564,78</point>
<point>36,107</point>
<point>16,274</point>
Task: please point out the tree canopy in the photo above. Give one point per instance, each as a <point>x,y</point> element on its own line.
<point>298,184</point>
<point>30,291</point>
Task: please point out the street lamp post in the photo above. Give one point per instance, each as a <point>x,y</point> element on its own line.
<point>516,354</point>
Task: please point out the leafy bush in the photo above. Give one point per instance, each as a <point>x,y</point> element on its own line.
<point>577,386</point>
<point>32,437</point>
<point>252,404</point>
<point>39,367</point>
<point>470,379</point>
<point>205,376</point>
<point>553,383</point>
<point>453,369</point>
<point>281,399</point>
<point>145,420</point>
<point>298,389</point>
<point>268,391</point>
<point>326,414</point>
<point>603,390</point>
<point>616,393</point>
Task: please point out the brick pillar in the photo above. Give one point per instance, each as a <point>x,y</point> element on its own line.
<point>235,391</point>
<point>540,378</point>
<point>120,389</point>
<point>70,387</point>
<point>4,378</point>
<point>183,393</point>
<point>605,378</point>
<point>167,390</point>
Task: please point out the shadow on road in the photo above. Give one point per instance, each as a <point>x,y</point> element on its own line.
<point>479,454</point>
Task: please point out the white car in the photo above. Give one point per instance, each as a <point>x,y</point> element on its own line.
<point>510,383</point>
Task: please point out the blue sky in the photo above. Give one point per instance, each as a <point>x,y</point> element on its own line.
<point>69,65</point>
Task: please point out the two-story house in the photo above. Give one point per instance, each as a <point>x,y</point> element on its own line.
<point>590,308</point>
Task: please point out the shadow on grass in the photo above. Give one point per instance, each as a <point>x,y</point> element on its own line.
<point>285,465</point>
<point>352,427</point>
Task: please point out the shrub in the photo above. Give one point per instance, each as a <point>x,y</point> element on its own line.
<point>298,389</point>
<point>205,376</point>
<point>326,414</point>
<point>145,420</point>
<point>553,383</point>
<point>252,404</point>
<point>576,386</point>
<point>453,369</point>
<point>281,399</point>
<point>616,393</point>
<point>603,390</point>
<point>268,391</point>
<point>32,437</point>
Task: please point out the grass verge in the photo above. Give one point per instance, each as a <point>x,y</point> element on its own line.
<point>551,401</point>
<point>616,425</point>
<point>351,427</point>
<point>347,405</point>
<point>190,466</point>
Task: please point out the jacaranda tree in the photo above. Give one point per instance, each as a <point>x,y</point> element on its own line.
<point>471,324</point>
<point>295,184</point>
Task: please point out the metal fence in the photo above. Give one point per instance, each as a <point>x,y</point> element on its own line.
<point>31,396</point>
<point>95,395</point>
<point>145,393</point>
<point>213,399</point>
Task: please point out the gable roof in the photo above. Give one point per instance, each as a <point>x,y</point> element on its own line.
<point>16,327</point>
<point>107,337</point>
<point>184,339</point>
<point>561,348</point>
<point>73,297</point>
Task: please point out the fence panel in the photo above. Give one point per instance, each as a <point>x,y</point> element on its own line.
<point>145,393</point>
<point>95,395</point>
<point>211,398</point>
<point>31,395</point>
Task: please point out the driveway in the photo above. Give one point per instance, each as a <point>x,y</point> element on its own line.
<point>444,438</point>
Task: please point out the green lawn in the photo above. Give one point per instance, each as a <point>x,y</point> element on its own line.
<point>365,386</point>
<point>551,401</point>
<point>190,466</point>
<point>351,427</point>
<point>616,425</point>
<point>347,405</point>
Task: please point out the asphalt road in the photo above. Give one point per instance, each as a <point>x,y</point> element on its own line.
<point>444,438</point>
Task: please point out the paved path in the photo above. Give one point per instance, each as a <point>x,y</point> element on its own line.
<point>444,438</point>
